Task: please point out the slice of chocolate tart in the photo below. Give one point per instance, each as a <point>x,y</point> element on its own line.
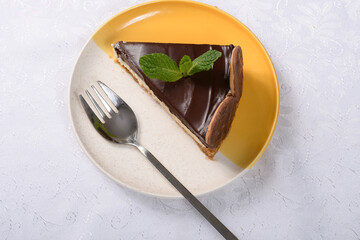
<point>203,104</point>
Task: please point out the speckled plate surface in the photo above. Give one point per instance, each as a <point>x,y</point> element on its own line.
<point>181,22</point>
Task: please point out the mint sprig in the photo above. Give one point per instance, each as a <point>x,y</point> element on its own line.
<point>161,66</point>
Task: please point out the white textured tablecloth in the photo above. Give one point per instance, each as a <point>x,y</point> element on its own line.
<point>305,186</point>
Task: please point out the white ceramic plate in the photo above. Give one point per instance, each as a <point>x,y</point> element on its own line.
<point>158,132</point>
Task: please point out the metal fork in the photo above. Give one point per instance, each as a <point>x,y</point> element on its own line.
<point>122,128</point>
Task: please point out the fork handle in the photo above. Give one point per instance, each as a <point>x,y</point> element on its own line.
<point>224,231</point>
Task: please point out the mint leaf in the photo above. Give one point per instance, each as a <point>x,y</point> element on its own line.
<point>185,65</point>
<point>160,66</point>
<point>204,62</point>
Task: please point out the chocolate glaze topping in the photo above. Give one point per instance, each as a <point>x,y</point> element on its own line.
<point>193,99</point>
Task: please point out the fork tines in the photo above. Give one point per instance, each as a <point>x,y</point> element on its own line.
<point>114,98</point>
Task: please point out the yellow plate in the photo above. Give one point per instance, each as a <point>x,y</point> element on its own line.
<point>193,22</point>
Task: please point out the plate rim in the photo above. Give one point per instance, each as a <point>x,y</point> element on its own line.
<point>244,170</point>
